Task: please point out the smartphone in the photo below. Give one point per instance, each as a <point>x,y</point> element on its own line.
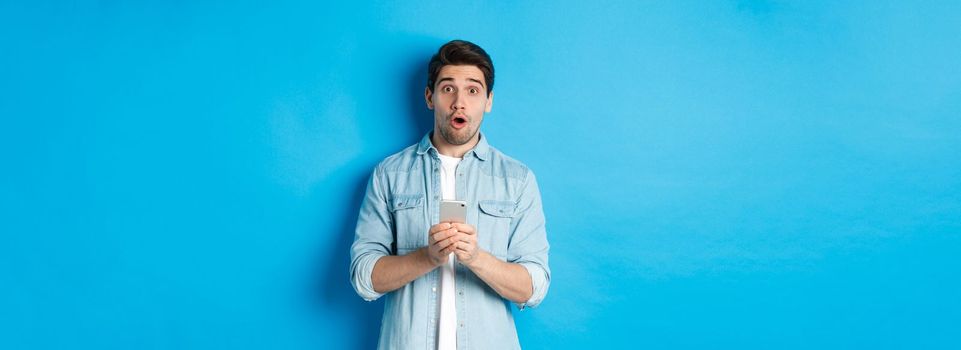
<point>453,211</point>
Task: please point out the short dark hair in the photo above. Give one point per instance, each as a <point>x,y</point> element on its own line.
<point>461,52</point>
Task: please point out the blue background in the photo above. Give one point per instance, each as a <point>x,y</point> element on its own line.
<point>716,174</point>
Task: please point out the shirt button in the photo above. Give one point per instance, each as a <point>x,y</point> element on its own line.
<point>433,289</point>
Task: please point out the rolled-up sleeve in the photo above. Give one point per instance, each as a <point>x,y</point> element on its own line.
<point>528,245</point>
<point>372,237</point>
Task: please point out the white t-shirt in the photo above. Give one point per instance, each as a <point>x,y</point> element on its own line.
<point>447,323</point>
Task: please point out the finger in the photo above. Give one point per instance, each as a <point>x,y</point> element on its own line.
<point>463,255</point>
<point>439,227</point>
<point>439,246</point>
<point>450,249</point>
<point>468,229</point>
<point>444,243</point>
<point>439,236</point>
<point>466,237</point>
<point>465,246</point>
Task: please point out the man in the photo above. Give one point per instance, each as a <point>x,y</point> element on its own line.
<point>448,285</point>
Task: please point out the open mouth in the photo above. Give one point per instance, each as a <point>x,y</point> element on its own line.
<point>458,122</point>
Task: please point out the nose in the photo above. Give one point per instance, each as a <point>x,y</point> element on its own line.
<point>459,101</point>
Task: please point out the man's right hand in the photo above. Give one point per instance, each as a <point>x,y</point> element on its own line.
<point>441,239</point>
<point>394,271</point>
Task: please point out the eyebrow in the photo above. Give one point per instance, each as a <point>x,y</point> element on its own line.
<point>452,79</point>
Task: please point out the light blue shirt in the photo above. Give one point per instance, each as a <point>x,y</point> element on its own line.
<point>403,201</point>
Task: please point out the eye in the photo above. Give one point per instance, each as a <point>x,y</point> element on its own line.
<point>473,91</point>
<point>448,88</point>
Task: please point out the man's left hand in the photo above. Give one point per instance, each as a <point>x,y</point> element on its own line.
<point>467,251</point>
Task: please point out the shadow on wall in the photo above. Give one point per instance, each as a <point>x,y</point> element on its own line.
<point>421,118</point>
<point>336,294</point>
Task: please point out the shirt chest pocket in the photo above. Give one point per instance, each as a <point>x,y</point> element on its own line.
<point>407,213</point>
<point>494,223</point>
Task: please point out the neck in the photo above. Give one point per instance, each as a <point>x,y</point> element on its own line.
<point>452,150</point>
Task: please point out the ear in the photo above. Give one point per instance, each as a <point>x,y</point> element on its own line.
<point>427,96</point>
<point>490,102</point>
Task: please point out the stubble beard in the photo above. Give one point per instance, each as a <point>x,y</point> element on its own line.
<point>457,137</point>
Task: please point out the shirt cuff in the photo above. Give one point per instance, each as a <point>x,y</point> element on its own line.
<point>361,276</point>
<point>540,284</point>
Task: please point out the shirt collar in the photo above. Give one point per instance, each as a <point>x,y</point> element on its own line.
<point>481,150</point>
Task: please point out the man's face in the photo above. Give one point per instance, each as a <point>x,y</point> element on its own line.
<point>459,101</point>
